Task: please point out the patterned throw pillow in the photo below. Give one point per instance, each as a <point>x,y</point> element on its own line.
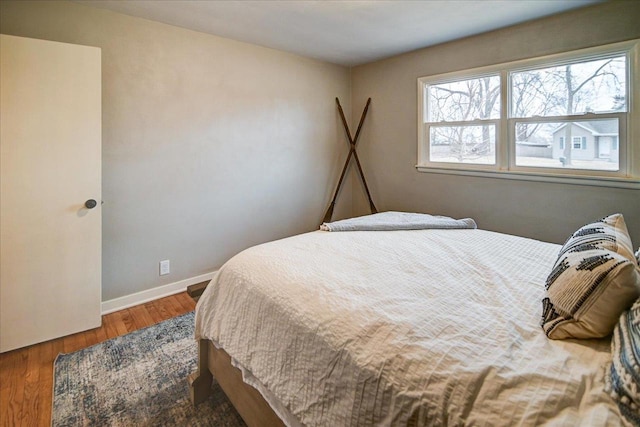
<point>608,233</point>
<point>623,375</point>
<point>595,278</point>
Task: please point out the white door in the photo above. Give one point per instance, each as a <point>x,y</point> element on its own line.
<point>50,164</point>
<point>604,148</point>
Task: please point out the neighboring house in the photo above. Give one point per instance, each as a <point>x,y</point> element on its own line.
<point>589,140</point>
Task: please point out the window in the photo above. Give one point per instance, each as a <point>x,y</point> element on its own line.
<point>464,116</point>
<point>515,118</point>
<point>579,143</point>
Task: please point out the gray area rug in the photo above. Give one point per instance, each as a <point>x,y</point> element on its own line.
<point>137,379</point>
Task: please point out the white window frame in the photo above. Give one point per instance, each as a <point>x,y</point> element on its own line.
<point>582,143</point>
<point>628,175</point>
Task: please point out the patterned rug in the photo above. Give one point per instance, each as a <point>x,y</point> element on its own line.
<point>137,379</point>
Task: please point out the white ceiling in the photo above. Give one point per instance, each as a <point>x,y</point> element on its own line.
<point>341,31</point>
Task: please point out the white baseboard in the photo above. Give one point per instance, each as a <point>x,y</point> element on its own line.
<point>152,294</point>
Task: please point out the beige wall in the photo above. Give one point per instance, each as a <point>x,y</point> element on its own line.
<point>209,145</point>
<point>545,211</point>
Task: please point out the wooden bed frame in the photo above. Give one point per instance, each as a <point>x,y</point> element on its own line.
<point>214,362</point>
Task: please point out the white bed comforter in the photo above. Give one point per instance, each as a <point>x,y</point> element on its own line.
<point>429,327</point>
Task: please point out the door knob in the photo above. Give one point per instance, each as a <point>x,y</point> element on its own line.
<point>90,204</point>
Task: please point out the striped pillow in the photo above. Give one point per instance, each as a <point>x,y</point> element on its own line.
<point>595,278</point>
<point>623,379</point>
<point>608,233</point>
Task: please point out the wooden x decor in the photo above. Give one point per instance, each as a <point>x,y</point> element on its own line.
<point>352,152</point>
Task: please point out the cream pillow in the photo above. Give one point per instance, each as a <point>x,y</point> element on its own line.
<point>608,233</point>
<point>595,278</point>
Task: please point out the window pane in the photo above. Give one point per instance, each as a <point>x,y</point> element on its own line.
<point>464,100</point>
<point>596,86</point>
<point>463,144</point>
<point>594,145</point>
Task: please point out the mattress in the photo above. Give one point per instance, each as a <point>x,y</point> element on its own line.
<point>426,327</point>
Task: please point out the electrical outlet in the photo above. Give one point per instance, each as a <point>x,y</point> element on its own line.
<point>165,267</point>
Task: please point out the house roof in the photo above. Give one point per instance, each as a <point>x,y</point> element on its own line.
<point>596,127</point>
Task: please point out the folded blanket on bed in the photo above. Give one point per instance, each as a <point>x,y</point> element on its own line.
<point>387,221</point>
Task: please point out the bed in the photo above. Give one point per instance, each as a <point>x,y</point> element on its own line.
<point>409,327</point>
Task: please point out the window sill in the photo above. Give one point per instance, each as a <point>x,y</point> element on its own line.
<point>626,183</point>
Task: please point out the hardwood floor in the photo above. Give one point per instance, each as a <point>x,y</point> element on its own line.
<point>26,374</point>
